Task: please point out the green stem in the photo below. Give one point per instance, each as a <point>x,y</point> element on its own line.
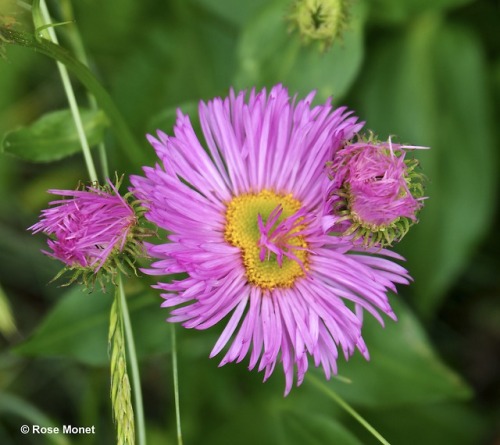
<point>176,385</point>
<point>134,367</point>
<point>70,94</point>
<point>80,53</point>
<point>343,404</point>
<point>128,143</point>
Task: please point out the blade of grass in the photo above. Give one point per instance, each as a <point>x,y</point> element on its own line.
<point>76,43</point>
<point>176,385</point>
<point>41,19</point>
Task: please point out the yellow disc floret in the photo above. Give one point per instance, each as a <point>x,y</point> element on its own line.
<point>242,230</point>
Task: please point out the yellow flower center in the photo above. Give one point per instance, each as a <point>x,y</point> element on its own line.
<point>242,230</point>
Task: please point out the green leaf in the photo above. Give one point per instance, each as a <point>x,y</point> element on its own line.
<point>403,368</point>
<point>54,136</point>
<point>433,424</point>
<point>265,417</point>
<point>314,428</point>
<point>429,88</point>
<point>268,54</point>
<point>77,328</point>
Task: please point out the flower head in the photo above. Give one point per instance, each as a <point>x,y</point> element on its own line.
<point>376,192</point>
<point>89,229</point>
<point>245,223</point>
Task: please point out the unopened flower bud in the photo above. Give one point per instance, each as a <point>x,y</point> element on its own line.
<point>376,192</point>
<point>319,20</point>
<point>93,231</point>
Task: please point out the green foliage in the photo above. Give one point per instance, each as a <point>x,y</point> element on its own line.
<point>426,71</point>
<point>53,136</point>
<point>77,328</point>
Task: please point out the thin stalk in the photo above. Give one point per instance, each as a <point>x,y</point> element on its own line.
<point>134,367</point>
<point>80,53</point>
<point>176,385</point>
<point>343,404</point>
<point>70,94</point>
<point>101,147</point>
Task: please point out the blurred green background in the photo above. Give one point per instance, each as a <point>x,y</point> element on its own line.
<point>427,71</point>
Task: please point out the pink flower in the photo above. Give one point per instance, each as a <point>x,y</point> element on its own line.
<point>245,215</point>
<point>375,192</point>
<point>88,228</point>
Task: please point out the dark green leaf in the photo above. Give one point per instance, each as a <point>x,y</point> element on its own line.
<point>54,136</point>
<point>434,424</point>
<point>403,368</point>
<point>263,416</point>
<point>77,327</point>
<point>314,428</point>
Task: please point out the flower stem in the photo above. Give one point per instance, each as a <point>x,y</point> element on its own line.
<point>343,404</point>
<point>68,89</point>
<point>134,367</point>
<point>176,385</point>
